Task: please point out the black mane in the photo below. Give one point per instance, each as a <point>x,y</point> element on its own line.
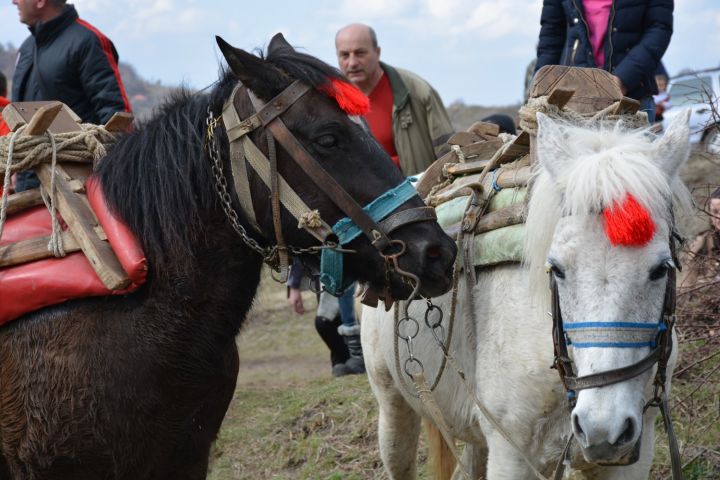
<point>158,178</point>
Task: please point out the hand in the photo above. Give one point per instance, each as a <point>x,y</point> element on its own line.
<point>295,300</point>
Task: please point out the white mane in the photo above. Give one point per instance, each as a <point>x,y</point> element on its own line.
<point>580,170</point>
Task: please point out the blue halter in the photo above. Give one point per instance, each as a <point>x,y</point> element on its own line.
<point>613,334</point>
<point>331,261</point>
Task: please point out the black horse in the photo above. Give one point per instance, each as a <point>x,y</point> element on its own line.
<point>136,386</point>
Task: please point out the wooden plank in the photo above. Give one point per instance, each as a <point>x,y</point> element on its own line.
<point>42,118</point>
<point>19,113</point>
<point>560,97</point>
<point>17,202</point>
<point>594,88</point>
<point>82,222</point>
<point>626,105</point>
<point>485,128</point>
<point>467,168</point>
<point>505,217</point>
<point>463,139</point>
<point>434,173</point>
<point>506,178</point>
<point>33,249</point>
<point>119,122</point>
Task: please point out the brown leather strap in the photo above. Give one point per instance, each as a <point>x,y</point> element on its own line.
<point>405,217</point>
<point>284,100</point>
<point>267,112</point>
<point>329,185</point>
<point>617,375</point>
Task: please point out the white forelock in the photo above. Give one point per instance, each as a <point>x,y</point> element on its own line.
<point>595,167</point>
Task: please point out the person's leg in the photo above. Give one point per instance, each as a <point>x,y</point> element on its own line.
<point>328,331</point>
<point>26,180</point>
<point>350,331</point>
<point>327,321</point>
<point>647,105</point>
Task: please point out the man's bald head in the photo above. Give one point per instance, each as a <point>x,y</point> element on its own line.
<point>358,29</point>
<point>358,55</point>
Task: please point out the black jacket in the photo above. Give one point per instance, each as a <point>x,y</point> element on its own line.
<point>638,34</point>
<point>77,65</point>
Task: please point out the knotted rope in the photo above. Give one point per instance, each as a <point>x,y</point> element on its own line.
<point>85,146</point>
<point>20,152</point>
<point>528,115</point>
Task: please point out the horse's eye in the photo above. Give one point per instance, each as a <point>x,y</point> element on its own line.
<point>556,271</point>
<point>326,141</point>
<point>660,271</point>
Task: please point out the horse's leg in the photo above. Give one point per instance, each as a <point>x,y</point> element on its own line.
<point>191,461</point>
<point>398,424</point>
<point>474,459</point>
<point>504,461</point>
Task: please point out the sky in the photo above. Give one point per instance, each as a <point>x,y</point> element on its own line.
<point>474,51</point>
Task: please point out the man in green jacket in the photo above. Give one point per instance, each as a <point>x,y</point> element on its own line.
<point>407,116</point>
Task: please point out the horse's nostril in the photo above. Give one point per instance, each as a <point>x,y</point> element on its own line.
<point>577,429</point>
<point>627,434</point>
<point>434,252</point>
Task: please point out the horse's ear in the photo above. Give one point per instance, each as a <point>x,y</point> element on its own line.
<point>278,41</point>
<point>673,148</point>
<point>550,145</point>
<point>255,73</point>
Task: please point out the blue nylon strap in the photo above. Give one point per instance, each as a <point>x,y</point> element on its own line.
<point>612,334</point>
<point>378,209</point>
<point>331,261</point>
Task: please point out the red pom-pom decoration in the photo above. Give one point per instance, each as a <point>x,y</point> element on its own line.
<point>628,223</point>
<point>348,97</point>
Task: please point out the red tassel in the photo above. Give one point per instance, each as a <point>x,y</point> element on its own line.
<point>628,223</point>
<point>347,96</point>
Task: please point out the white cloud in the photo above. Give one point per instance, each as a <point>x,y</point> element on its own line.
<point>364,10</point>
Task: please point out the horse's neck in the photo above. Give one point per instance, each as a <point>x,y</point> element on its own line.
<point>222,284</point>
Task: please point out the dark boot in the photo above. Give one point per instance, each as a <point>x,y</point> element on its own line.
<point>328,331</point>
<point>356,363</point>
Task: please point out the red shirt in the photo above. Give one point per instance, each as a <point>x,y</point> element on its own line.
<point>4,130</point>
<point>379,118</point>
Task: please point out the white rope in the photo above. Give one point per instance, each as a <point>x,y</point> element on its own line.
<point>55,245</point>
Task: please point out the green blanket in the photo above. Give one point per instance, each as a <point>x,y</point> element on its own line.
<point>497,246</point>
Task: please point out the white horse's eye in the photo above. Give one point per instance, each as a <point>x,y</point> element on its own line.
<point>552,267</point>
<point>660,271</point>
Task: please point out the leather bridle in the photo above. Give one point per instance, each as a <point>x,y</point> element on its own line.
<point>376,220</point>
<point>659,354</point>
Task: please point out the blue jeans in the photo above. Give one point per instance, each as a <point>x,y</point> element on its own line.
<point>647,105</point>
<point>26,180</point>
<point>346,302</point>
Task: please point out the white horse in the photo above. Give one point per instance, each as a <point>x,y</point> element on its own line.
<point>586,179</point>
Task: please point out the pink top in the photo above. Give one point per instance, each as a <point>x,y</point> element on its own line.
<point>597,13</point>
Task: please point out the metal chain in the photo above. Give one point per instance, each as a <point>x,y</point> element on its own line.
<point>221,187</point>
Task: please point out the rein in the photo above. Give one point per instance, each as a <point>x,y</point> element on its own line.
<point>374,220</point>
